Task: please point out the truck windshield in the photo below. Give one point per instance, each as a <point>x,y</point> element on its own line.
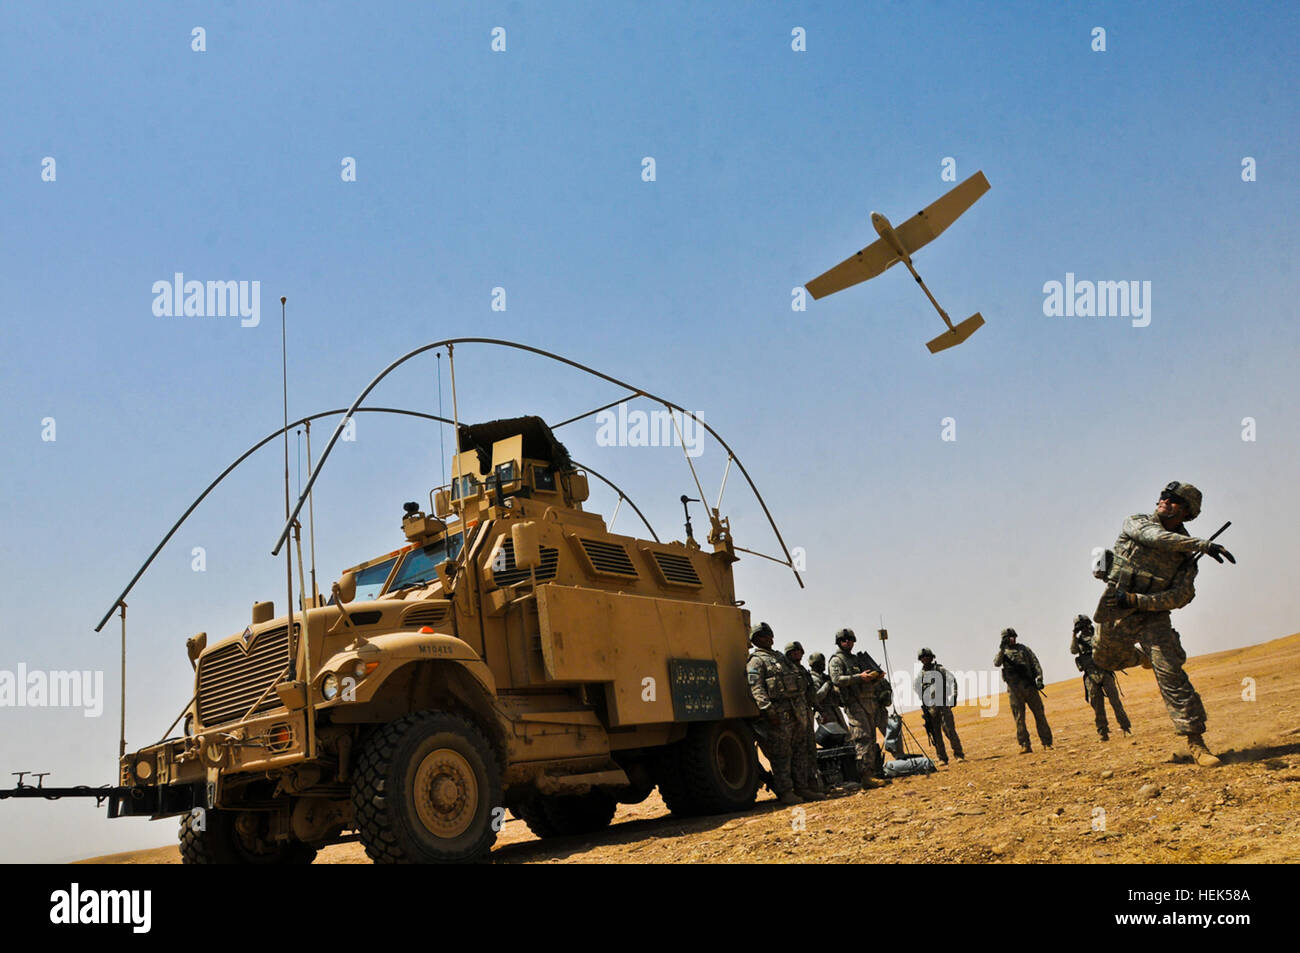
<point>419,564</point>
<point>370,581</point>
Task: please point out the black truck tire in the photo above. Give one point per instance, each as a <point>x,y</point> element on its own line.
<point>564,815</point>
<point>427,790</point>
<point>219,840</point>
<point>713,770</point>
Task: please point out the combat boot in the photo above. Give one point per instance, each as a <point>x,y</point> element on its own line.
<point>871,783</point>
<point>1196,745</point>
<point>789,798</point>
<point>1103,735</point>
<point>1026,749</point>
<point>809,795</point>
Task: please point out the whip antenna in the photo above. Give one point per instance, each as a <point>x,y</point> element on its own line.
<point>288,553</point>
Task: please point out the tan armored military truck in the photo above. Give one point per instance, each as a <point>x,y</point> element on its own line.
<point>514,654</point>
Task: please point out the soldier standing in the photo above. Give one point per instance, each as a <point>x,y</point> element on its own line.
<point>828,709</point>
<point>777,689</point>
<point>856,685</point>
<point>937,690</point>
<point>1024,678</point>
<point>803,771</point>
<point>1154,571</point>
<point>1098,684</point>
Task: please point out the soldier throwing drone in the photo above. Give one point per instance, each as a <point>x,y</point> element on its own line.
<point>1151,572</point>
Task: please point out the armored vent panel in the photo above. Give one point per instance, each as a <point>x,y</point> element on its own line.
<point>676,569</point>
<point>420,615</point>
<point>512,574</point>
<point>609,559</point>
<point>233,677</point>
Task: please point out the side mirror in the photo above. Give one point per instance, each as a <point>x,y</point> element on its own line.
<point>194,647</point>
<point>347,587</point>
<point>527,543</point>
<point>446,577</point>
<point>263,612</point>
<point>578,488</point>
<point>442,504</point>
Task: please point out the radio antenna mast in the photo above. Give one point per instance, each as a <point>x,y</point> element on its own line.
<point>311,524</point>
<point>288,551</point>
<point>442,428</point>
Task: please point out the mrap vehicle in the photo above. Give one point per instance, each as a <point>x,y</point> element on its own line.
<point>514,655</point>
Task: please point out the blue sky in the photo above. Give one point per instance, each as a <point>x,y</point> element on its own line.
<point>522,169</point>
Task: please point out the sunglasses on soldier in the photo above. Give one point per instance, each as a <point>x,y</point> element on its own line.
<point>1169,493</point>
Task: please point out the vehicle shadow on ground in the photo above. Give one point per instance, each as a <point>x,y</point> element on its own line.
<point>1260,753</point>
<point>642,832</point>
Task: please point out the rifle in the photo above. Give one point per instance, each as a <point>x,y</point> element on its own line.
<point>1106,614</point>
<point>931,729</point>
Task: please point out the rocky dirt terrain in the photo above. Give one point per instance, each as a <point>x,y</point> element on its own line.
<point>1125,801</point>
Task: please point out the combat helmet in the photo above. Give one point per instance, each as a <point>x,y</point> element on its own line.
<point>791,646</point>
<point>761,629</point>
<point>923,654</point>
<point>1186,493</point>
<point>816,660</point>
<point>1082,622</point>
<point>1009,634</point>
<point>845,634</point>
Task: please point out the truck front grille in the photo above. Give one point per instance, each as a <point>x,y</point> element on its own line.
<point>231,679</point>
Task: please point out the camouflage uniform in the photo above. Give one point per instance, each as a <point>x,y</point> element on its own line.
<point>778,691</point>
<point>1023,691</point>
<point>937,690</point>
<point>1154,566</point>
<point>803,761</point>
<point>861,704</point>
<point>828,709</point>
<point>1098,684</point>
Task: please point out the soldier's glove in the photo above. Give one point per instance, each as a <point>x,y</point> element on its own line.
<point>773,718</point>
<point>1218,553</point>
<point>1117,598</point>
<point>1038,682</point>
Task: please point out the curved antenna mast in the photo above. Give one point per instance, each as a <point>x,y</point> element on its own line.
<point>120,602</point>
<point>636,391</point>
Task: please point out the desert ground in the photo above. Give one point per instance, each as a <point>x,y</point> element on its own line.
<point>1130,800</point>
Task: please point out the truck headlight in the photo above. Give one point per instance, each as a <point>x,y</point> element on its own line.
<point>143,769</point>
<point>329,687</point>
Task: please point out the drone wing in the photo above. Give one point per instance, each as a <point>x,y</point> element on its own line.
<point>926,225</point>
<point>867,263</point>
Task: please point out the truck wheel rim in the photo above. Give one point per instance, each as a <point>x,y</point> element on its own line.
<point>446,793</point>
<point>730,758</point>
